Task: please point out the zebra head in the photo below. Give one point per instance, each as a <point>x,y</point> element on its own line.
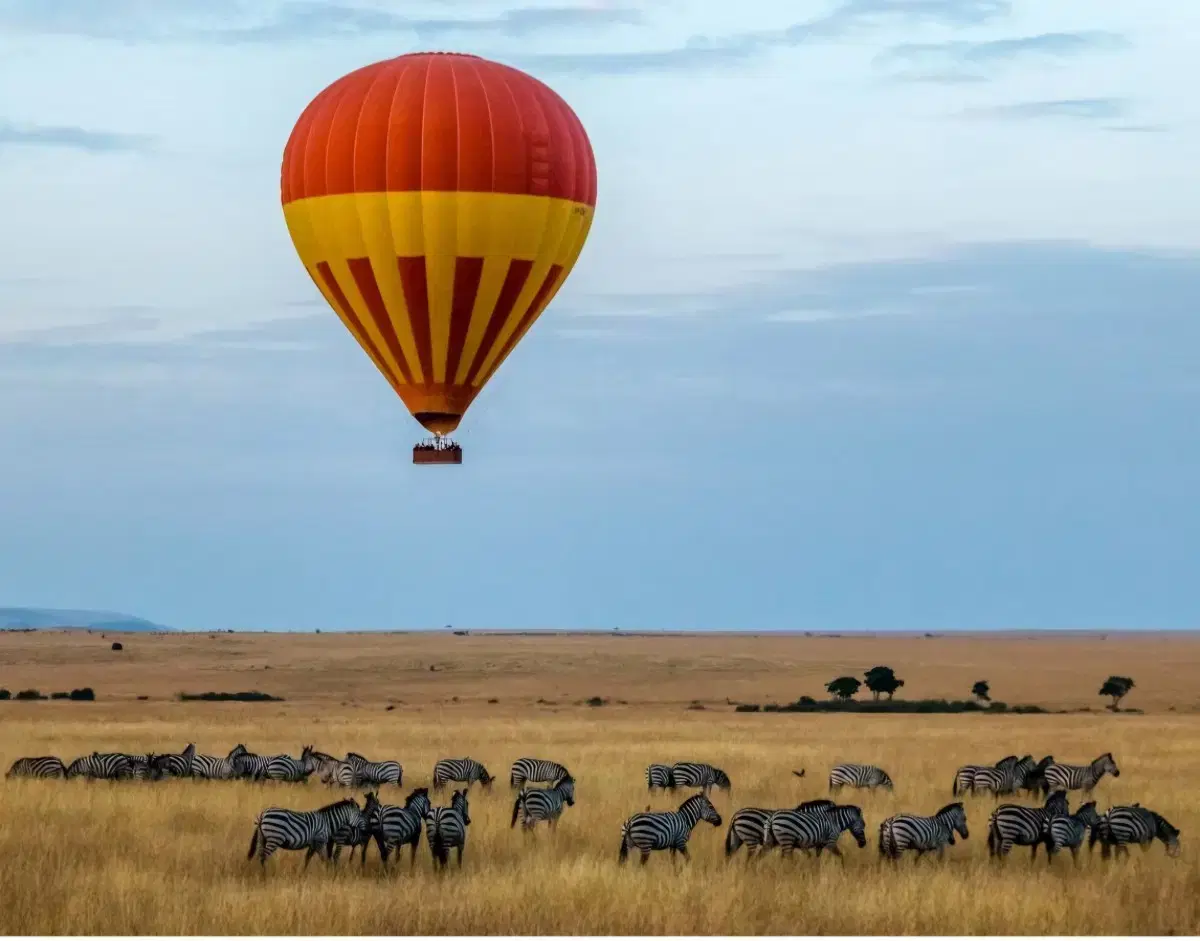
<point>308,759</point>
<point>236,752</point>
<point>721,779</point>
<point>1009,761</point>
<point>1106,763</point>
<point>371,808</point>
<point>1056,804</point>
<point>566,787</point>
<point>458,803</point>
<point>956,816</point>
<point>850,818</point>
<point>77,767</point>
<point>418,801</point>
<point>1087,815</point>
<point>1167,833</point>
<point>698,807</point>
<point>485,779</point>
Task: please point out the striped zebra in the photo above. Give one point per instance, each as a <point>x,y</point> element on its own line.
<point>1123,825</point>
<point>1081,777</point>
<point>853,775</point>
<point>1067,832</point>
<point>659,777</point>
<point>696,774</point>
<point>535,771</point>
<point>747,827</point>
<point>278,828</point>
<point>964,777</point>
<point>212,768</point>
<point>543,803</point>
<point>248,765</point>
<point>818,829</point>
<point>666,829</point>
<point>460,770</point>
<point>44,767</point>
<point>172,766</point>
<point>352,830</point>
<point>903,832</point>
<point>1002,781</point>
<point>97,766</point>
<point>287,768</point>
<point>1014,825</point>
<point>394,827</point>
<point>1035,780</point>
<point>139,766</point>
<point>374,773</point>
<point>446,829</point>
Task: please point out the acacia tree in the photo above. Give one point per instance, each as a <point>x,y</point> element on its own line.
<point>882,680</point>
<point>1118,688</point>
<point>844,687</point>
<point>982,691</point>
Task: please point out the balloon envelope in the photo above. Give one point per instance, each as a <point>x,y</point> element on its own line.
<point>438,201</point>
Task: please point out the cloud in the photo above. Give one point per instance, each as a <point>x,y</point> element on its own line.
<point>964,60</point>
<point>1075,109</point>
<point>232,22</point>
<point>848,18</point>
<point>71,138</point>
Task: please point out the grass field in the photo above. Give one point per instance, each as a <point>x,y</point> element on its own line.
<point>171,857</point>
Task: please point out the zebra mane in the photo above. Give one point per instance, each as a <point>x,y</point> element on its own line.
<point>696,800</point>
<point>344,802</point>
<point>822,803</point>
<point>351,755</point>
<point>949,809</point>
<point>1162,825</point>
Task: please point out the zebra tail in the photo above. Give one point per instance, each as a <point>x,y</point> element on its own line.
<point>954,788</point>
<point>517,808</point>
<point>768,838</point>
<point>254,839</point>
<point>624,854</point>
<point>437,845</point>
<point>732,842</point>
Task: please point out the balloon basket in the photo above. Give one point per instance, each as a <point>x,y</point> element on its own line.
<point>438,451</point>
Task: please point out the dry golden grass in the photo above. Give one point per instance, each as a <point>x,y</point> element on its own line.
<point>171,857</point>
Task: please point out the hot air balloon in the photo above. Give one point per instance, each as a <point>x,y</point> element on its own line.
<point>438,201</point>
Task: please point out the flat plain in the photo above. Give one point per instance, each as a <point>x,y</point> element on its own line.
<point>170,857</point>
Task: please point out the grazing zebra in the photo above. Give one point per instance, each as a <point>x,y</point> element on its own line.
<point>964,777</point>
<point>695,774</point>
<point>1035,781</point>
<point>277,828</point>
<point>1067,832</point>
<point>45,767</point>
<point>747,827</point>
<point>212,768</point>
<point>924,834</point>
<point>536,771</point>
<point>140,766</point>
<point>394,826</point>
<point>666,829</point>
<point>108,766</point>
<point>858,776</point>
<point>247,764</point>
<point>543,803</point>
<point>1003,781</point>
<point>173,766</point>
<point>1080,777</point>
<point>351,829</point>
<point>287,768</point>
<point>446,829</point>
<point>1123,825</point>
<point>374,772</point>
<point>818,829</point>
<point>1013,825</point>
<point>460,770</point>
<point>660,777</point>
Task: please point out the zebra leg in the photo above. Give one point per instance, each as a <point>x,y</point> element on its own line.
<point>1075,855</point>
<point>460,852</point>
<point>645,857</point>
<point>312,851</point>
<point>684,853</point>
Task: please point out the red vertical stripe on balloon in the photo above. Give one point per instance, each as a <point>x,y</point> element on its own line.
<point>467,272</point>
<point>416,297</point>
<point>538,304</point>
<point>514,281</point>
<point>344,308</point>
<point>368,287</point>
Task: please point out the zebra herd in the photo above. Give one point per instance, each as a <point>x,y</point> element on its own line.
<point>814,825</point>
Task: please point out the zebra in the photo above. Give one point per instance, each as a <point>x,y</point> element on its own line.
<point>695,774</point>
<point>287,768</point>
<point>817,829</point>
<point>1035,780</point>
<point>666,829</point>
<point>1123,825</point>
<point>212,768</point>
<point>461,770</point>
<point>374,772</point>
<point>394,826</point>
<point>854,775</point>
<point>248,765</point>
<point>964,777</point>
<point>1081,777</point>
<point>313,830</point>
<point>140,766</point>
<point>1067,832</point>
<point>661,777</point>
<point>108,766</point>
<point>1014,825</point>
<point>1003,781</point>
<point>173,766</point>
<point>535,771</point>
<point>350,829</point>
<point>747,826</point>
<point>446,829</point>
<point>43,767</point>
<point>543,803</point>
<point>924,834</point>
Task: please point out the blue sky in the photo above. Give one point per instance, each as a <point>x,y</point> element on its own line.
<point>888,319</point>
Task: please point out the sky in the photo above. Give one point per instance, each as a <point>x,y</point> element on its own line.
<point>888,319</point>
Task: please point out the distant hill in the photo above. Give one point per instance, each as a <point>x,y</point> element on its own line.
<point>59,618</point>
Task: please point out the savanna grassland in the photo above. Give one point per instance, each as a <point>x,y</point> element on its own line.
<point>170,857</point>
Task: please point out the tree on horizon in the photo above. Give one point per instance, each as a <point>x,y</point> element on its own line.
<point>1118,688</point>
<point>844,687</point>
<point>882,680</point>
<point>982,691</point>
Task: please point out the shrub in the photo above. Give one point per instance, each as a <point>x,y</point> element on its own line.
<point>60,695</point>
<point>117,645</point>
<point>597,701</point>
<point>5,694</point>
<point>251,696</point>
<point>84,695</point>
<point>27,694</point>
